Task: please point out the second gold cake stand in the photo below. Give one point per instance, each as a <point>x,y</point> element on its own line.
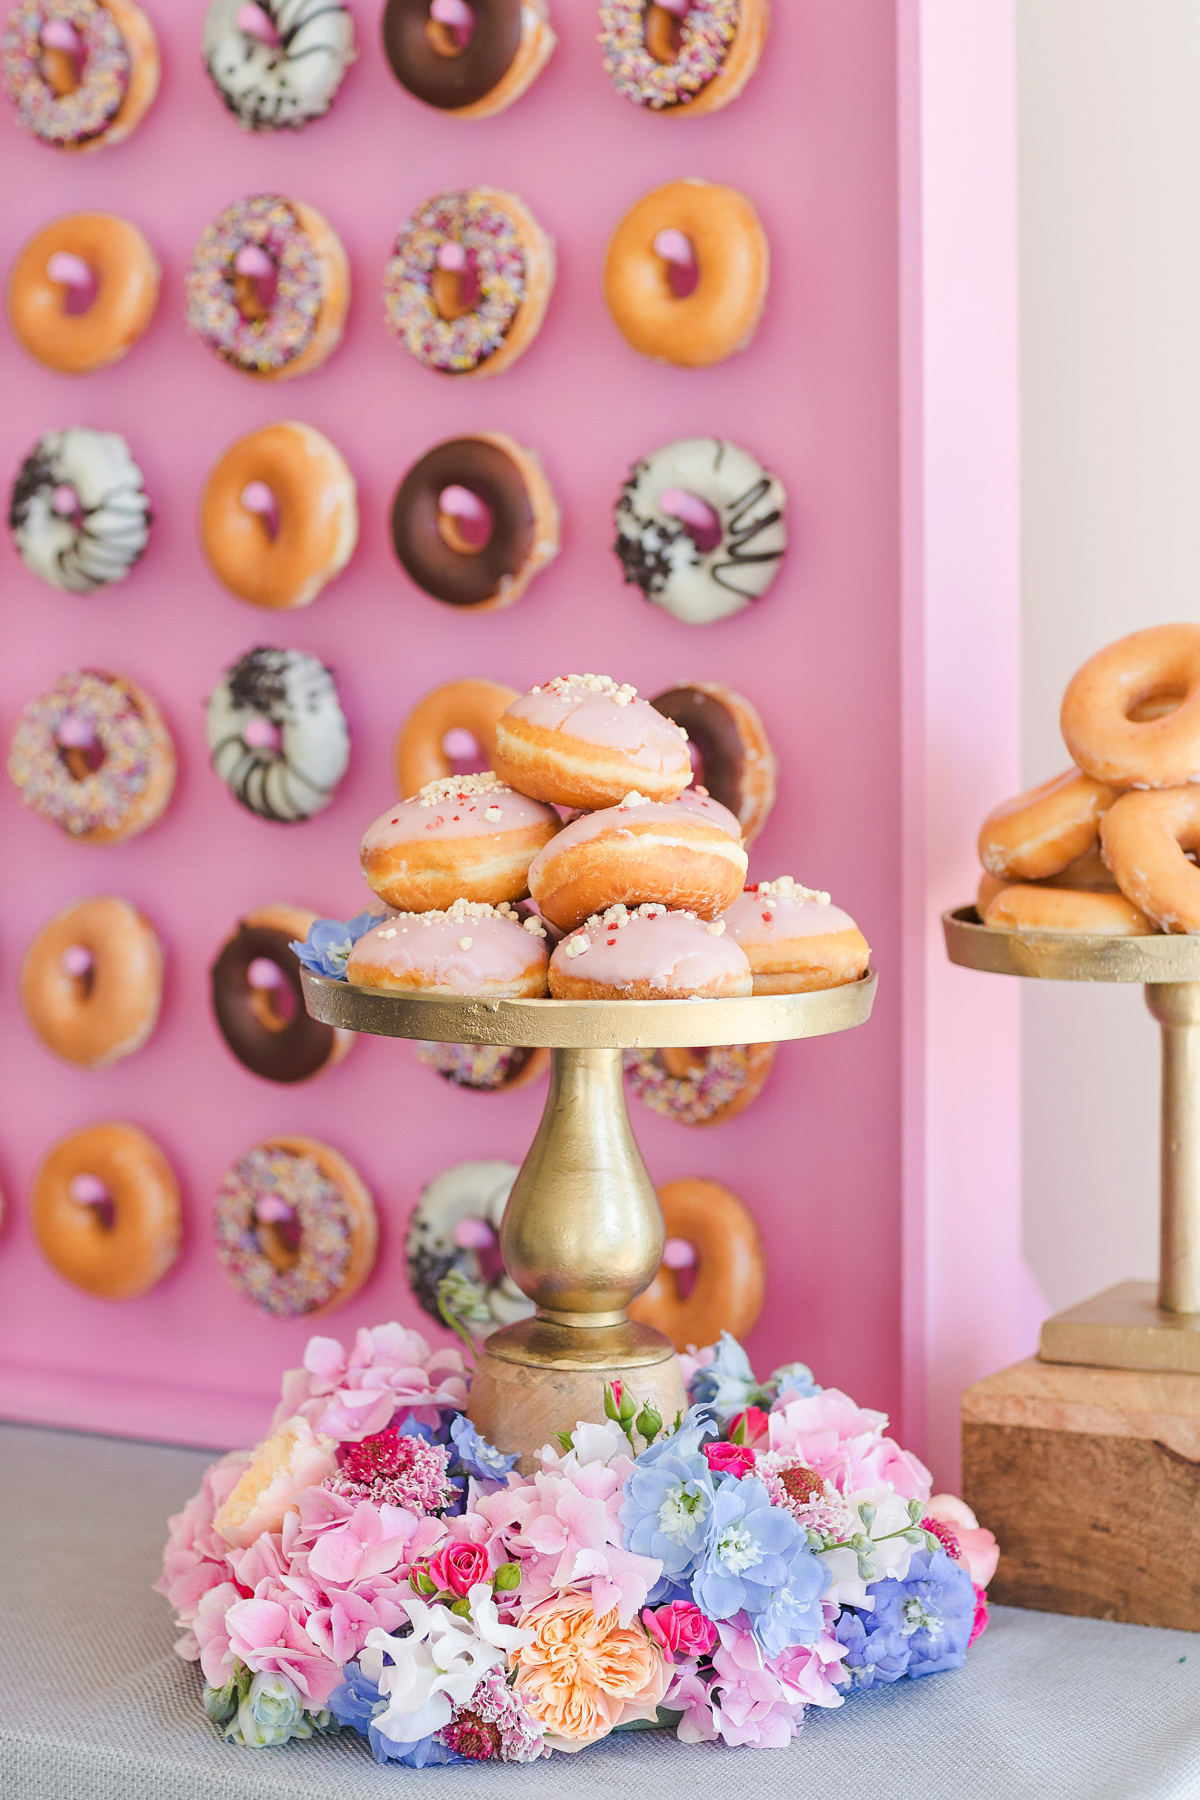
<point>583,1230</point>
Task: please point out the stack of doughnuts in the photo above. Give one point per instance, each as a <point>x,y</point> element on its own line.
<point>1106,847</point>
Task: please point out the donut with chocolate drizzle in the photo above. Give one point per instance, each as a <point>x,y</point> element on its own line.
<point>258,1001</point>
<point>737,763</point>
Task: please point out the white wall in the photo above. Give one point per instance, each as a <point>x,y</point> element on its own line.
<point>1109,113</point>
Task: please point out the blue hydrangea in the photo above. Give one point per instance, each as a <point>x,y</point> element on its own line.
<point>666,1512</point>
<point>920,1625</point>
<point>796,1378</point>
<point>728,1384</point>
<point>757,1561</point>
<point>473,1455</point>
<point>326,949</point>
<point>355,1705</point>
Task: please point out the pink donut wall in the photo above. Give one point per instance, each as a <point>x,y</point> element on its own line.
<point>813,142</point>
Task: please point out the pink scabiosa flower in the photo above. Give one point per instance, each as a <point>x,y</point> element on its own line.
<point>680,1630</point>
<point>393,1469</point>
<point>844,1443</point>
<point>729,1459</point>
<point>959,1532</point>
<point>493,1725</point>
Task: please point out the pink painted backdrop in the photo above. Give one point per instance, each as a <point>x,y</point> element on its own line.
<point>817,1158</point>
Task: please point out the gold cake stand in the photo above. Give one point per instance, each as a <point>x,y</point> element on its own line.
<point>583,1230</point>
<point>1130,1326</point>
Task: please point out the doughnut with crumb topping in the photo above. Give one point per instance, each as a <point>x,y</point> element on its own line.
<point>582,740</point>
<point>796,941</point>
<point>469,949</point>
<point>684,853</point>
<point>469,837</point>
<point>649,954</point>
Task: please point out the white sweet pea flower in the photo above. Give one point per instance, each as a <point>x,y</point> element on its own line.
<point>890,1555</point>
<point>589,1443</point>
<point>439,1666</point>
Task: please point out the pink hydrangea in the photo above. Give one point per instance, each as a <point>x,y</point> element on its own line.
<point>566,1534</point>
<point>845,1444</point>
<point>748,1700</point>
<point>269,1634</point>
<point>350,1395</point>
<point>196,1559</point>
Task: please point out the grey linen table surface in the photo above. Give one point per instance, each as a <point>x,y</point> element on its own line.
<point>95,1705</point>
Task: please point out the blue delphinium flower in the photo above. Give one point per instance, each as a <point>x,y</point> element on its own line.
<point>757,1561</point>
<point>473,1455</point>
<point>795,1378</point>
<point>666,1512</point>
<point>728,1384</point>
<point>696,1425</point>
<point>920,1625</point>
<point>327,947</point>
<point>357,1702</point>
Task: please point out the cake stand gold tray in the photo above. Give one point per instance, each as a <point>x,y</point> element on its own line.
<point>1130,1326</point>
<point>583,1230</point>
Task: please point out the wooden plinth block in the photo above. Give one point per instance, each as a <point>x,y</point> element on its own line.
<point>1090,1479</point>
<point>520,1408</point>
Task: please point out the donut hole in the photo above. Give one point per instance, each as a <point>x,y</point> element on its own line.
<point>255,280</point>
<point>701,521</point>
<point>681,1264</point>
<point>272,997</point>
<point>257,498</point>
<point>1155,706</point>
<point>679,254</point>
<point>78,280</point>
<point>79,966</point>
<point>465,521</point>
<point>663,33</point>
<point>79,749</point>
<point>279,1233</point>
<point>463,752</point>
<point>64,54</point>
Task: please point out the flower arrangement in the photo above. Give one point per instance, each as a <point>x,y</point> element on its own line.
<point>376,1566</point>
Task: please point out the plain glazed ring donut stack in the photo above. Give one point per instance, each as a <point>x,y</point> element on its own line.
<point>1104,848</point>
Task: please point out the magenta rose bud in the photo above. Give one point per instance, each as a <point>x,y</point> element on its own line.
<point>459,1566</point>
<point>749,1426</point>
<point>730,1459</point>
<point>680,1629</point>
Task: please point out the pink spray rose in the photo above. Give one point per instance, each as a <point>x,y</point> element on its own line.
<point>459,1566</point>
<point>681,1630</point>
<point>730,1459</point>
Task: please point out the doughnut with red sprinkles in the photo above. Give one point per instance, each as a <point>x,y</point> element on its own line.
<point>92,756</point>
<point>295,1228</point>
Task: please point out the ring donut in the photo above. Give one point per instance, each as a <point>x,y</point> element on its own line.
<point>279,516</point>
<point>1039,832</point>
<point>93,254</point>
<point>1022,907</point>
<point>484,1068</point>
<point>277,734</point>
<point>727,247</point>
<point>580,740</point>
<point>296,1227</point>
<point>456,1223</point>
<point>1131,715</point>
<point>682,61</point>
<point>729,741</point>
<point>1087,874</point>
<point>255,246</point>
<point>282,68</point>
<point>106,1211</point>
<point>79,513</point>
<point>80,73</point>
<point>701,1086</point>
<point>92,756</point>
<point>470,70</point>
<point>258,1001</point>
<point>730,1266</point>
<point>1144,839</point>
<point>490,485</point>
<point>471,705</point>
<point>91,981</point>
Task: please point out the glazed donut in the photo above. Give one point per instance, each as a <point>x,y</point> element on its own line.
<point>105,1211</point>
<point>458,1215</point>
<point>648,954</point>
<point>469,838</point>
<point>258,1001</point>
<point>1087,873</point>
<point>466,949</point>
<point>1144,844</point>
<point>484,1068</point>
<point>467,285</point>
<point>79,513</point>
<point>674,852</point>
<point>279,516</point>
<point>700,1087</point>
<point>1023,907</point>
<point>296,1227</point>
<point>1111,731</point>
<point>470,60</point>
<point>700,529</point>
<point>471,706</point>
<point>704,227</point>
<point>487,486</point>
<point>1040,831</point>
<point>91,982</point>
<point>730,748</point>
<point>682,59</point>
<point>92,756</point>
<point>277,735</point>
<point>580,740</point>
<point>83,254</point>
<point>80,73</point>
<point>254,244</point>
<point>795,940</point>
<point>279,62</point>
<point>727,1254</point>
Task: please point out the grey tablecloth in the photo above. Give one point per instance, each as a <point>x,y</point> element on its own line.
<point>94,1705</point>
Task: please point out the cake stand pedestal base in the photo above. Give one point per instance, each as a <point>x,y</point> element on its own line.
<point>1124,1328</point>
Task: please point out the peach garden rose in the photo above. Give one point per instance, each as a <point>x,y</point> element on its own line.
<point>582,1675</point>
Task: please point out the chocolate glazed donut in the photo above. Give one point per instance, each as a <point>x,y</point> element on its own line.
<point>524,531</point>
<point>259,1032</point>
<point>737,763</point>
<point>445,76</point>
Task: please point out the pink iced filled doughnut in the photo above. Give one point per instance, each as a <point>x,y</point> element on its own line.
<point>469,837</point>
<point>79,73</point>
<point>580,740</point>
<point>467,949</point>
<point>93,757</point>
<point>648,954</point>
<point>795,940</point>
<point>1113,718</point>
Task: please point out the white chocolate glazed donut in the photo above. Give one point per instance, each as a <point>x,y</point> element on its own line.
<point>469,838</point>
<point>79,512</point>
<point>580,740</point>
<point>471,1194</point>
<point>277,734</point>
<point>467,949</point>
<point>795,940</point>
<point>91,981</point>
<point>649,954</point>
<point>288,68</point>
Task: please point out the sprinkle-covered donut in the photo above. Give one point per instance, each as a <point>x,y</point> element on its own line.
<point>82,291</point>
<point>700,529</point>
<point>269,286</point>
<point>258,1001</point>
<point>91,981</point>
<point>278,62</point>
<point>469,949</point>
<point>277,735</point>
<point>712,1233</point>
<point>470,837</point>
<point>470,706</point>
<point>456,1223</point>
<point>795,940</point>
<point>467,285</point>
<point>92,756</point>
<point>703,1086</point>
<point>730,746</point>
<point>79,513</point>
<point>80,73</point>
<point>471,58</point>
<point>648,954</point>
<point>105,1211</point>
<point>296,1227</point>
<point>484,1068</point>
<point>279,516</point>
<point>474,520</point>
<point>682,57</point>
<point>582,740</point>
